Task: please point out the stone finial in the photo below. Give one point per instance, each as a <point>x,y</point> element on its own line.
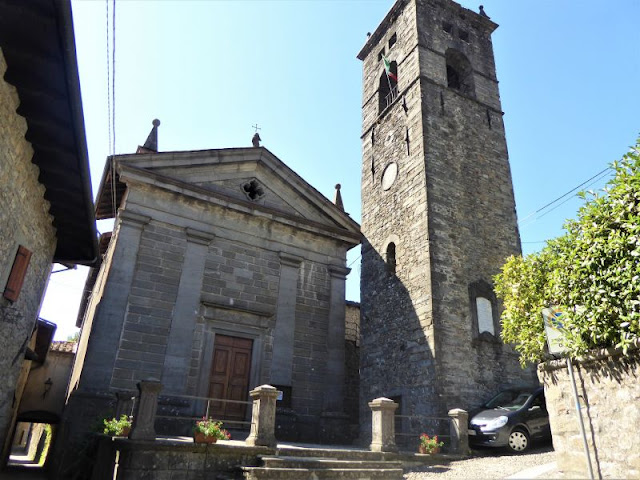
<point>482,12</point>
<point>383,428</point>
<point>152,140</point>
<point>256,139</point>
<point>263,416</point>
<point>144,415</point>
<point>337,199</point>
<point>459,431</point>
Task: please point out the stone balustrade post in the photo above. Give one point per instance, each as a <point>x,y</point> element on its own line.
<point>263,418</point>
<point>144,415</point>
<point>459,428</point>
<point>383,428</point>
<point>124,402</point>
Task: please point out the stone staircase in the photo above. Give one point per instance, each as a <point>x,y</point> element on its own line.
<point>310,468</point>
<point>324,464</point>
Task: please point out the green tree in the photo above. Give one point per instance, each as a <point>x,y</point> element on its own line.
<point>592,273</point>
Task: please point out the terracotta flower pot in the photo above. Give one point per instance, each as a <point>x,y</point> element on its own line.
<point>125,432</point>
<point>422,449</point>
<point>199,437</point>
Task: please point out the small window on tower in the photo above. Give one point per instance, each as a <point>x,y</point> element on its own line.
<point>381,54</point>
<point>388,87</point>
<point>391,258</point>
<point>392,40</point>
<point>463,35</point>
<point>459,72</point>
<point>447,27</point>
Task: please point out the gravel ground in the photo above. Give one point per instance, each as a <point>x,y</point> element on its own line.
<point>489,463</point>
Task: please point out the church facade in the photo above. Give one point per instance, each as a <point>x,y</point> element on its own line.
<point>438,212</point>
<point>225,270</point>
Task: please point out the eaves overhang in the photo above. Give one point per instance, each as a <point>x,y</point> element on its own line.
<point>38,44</point>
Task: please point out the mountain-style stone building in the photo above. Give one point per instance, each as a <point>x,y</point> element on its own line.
<point>438,212</point>
<point>46,208</point>
<point>225,271</point>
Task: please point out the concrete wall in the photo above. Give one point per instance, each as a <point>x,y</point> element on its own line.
<point>24,220</point>
<point>450,213</point>
<point>608,384</point>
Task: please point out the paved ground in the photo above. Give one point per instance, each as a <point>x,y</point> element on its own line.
<point>539,462</point>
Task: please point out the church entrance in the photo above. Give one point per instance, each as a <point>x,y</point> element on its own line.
<point>230,376</point>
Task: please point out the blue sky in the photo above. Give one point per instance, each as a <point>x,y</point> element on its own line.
<point>209,70</point>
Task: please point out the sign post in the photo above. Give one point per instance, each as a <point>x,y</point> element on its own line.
<point>556,340</point>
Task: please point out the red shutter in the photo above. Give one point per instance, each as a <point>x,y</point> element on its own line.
<point>18,272</point>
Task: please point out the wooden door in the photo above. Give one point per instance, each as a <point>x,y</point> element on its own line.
<point>230,371</point>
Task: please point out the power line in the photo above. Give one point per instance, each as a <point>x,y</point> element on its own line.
<point>558,206</point>
<point>598,176</point>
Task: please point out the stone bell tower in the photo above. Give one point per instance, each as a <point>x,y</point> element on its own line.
<point>438,211</point>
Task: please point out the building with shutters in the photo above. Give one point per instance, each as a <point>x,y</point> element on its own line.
<point>46,212</point>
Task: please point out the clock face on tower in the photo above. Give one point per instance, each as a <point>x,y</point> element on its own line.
<point>389,175</point>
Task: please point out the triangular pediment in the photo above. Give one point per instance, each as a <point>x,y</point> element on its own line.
<point>247,177</point>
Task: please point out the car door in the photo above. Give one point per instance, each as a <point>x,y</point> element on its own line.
<point>537,416</point>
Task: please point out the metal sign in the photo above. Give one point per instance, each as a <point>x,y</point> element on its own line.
<point>554,330</point>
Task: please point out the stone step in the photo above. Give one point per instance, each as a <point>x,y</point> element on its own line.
<point>261,473</point>
<point>341,454</point>
<point>326,463</point>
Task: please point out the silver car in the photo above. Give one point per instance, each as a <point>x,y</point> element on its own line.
<point>510,419</point>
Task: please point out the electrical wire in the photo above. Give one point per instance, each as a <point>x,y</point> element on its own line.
<point>595,178</point>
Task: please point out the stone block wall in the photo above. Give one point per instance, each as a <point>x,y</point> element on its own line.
<point>173,460</point>
<point>450,212</point>
<point>179,272</point>
<point>24,220</point>
<point>608,384</point>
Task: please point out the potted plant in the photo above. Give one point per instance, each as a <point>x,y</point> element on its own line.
<point>209,431</point>
<point>117,428</point>
<point>429,445</point>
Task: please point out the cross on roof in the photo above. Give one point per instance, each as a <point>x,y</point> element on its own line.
<point>256,127</point>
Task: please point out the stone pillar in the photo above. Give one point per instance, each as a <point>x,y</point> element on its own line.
<point>177,358</point>
<point>144,415</point>
<point>383,428</point>
<point>283,333</point>
<point>125,400</point>
<point>334,389</point>
<point>263,418</point>
<point>459,431</point>
<point>107,321</point>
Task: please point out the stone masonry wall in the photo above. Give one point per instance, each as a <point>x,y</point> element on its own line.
<point>237,294</point>
<point>608,384</point>
<point>397,338</point>
<point>472,218</point>
<point>150,305</point>
<point>450,213</point>
<point>24,220</point>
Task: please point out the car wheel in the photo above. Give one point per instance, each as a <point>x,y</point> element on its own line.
<point>518,441</point>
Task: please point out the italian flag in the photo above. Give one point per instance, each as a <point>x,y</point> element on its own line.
<point>387,69</point>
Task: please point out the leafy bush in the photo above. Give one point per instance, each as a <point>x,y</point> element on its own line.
<point>592,273</point>
<point>115,427</point>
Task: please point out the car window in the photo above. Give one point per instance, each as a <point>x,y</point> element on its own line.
<point>517,402</point>
<point>539,402</point>
<point>501,399</point>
